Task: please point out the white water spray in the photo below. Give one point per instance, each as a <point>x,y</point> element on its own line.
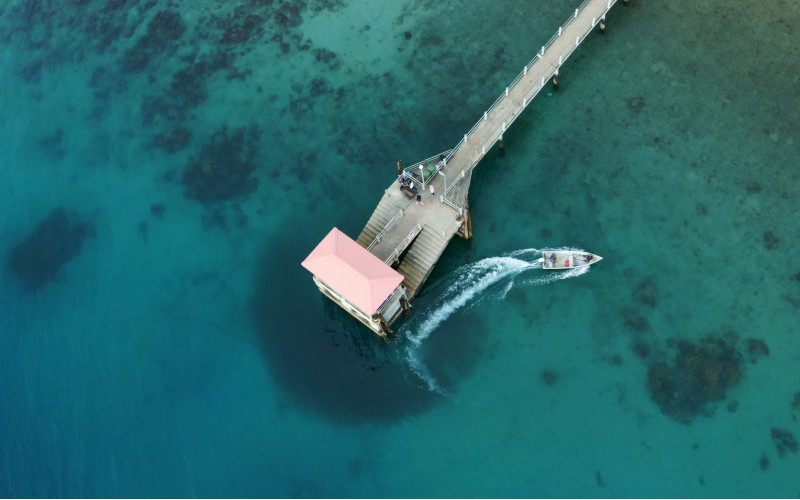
<point>471,280</point>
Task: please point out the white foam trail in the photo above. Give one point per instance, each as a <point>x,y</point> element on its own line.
<point>475,278</point>
<point>507,289</point>
<point>471,280</point>
<point>421,370</point>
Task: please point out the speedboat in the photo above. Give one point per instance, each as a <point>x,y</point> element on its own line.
<point>567,259</point>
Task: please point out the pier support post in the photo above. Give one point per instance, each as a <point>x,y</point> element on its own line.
<point>501,146</point>
<point>466,228</point>
<point>555,80</point>
<point>405,305</point>
<point>385,327</point>
<point>603,25</point>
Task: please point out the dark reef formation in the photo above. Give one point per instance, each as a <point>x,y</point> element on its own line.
<point>187,89</point>
<point>57,239</point>
<point>770,240</point>
<point>784,441</point>
<point>550,377</point>
<point>158,210</point>
<point>174,139</point>
<point>242,27</point>
<point>700,374</point>
<point>636,321</point>
<point>756,348</point>
<point>636,104</point>
<point>225,167</point>
<point>647,292</point>
<point>164,30</point>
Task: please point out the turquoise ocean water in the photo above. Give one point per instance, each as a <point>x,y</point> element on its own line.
<point>165,166</point>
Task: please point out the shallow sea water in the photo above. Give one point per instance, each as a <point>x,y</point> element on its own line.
<point>184,351</point>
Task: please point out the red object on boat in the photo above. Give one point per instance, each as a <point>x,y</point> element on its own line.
<point>566,263</point>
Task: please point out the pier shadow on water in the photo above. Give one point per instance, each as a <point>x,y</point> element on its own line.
<point>325,360</point>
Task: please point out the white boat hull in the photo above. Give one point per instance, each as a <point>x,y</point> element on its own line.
<point>567,259</point>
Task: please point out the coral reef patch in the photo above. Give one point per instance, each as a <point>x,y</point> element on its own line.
<point>636,104</point>
<point>756,348</point>
<point>187,89</point>
<point>770,240</point>
<point>158,210</point>
<point>225,167</point>
<point>550,377</point>
<point>56,240</point>
<point>174,139</point>
<point>647,292</point>
<point>636,321</point>
<point>163,31</point>
<point>784,441</point>
<point>699,374</point>
<point>240,30</point>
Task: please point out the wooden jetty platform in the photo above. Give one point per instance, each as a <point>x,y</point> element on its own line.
<point>409,231</point>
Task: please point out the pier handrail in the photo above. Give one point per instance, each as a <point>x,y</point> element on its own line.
<point>451,204</point>
<point>385,228</point>
<point>481,151</point>
<point>451,222</point>
<point>524,71</point>
<point>413,169</point>
<point>397,251</point>
<point>453,184</point>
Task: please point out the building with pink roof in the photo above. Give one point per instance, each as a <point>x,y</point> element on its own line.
<point>369,289</point>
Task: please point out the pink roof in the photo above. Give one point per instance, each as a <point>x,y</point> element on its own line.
<point>347,267</point>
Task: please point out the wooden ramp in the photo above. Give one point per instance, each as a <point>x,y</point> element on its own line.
<point>438,223</point>
<point>418,263</point>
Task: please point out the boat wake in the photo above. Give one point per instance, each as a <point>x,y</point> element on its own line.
<point>465,284</point>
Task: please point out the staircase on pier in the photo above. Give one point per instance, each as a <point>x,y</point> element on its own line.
<point>438,225</point>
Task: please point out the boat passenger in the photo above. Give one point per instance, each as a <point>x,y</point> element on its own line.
<point>552,258</point>
<point>588,258</point>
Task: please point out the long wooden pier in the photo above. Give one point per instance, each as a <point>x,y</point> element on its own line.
<point>412,235</point>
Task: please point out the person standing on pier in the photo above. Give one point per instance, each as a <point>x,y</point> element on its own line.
<point>400,167</point>
<point>431,186</point>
